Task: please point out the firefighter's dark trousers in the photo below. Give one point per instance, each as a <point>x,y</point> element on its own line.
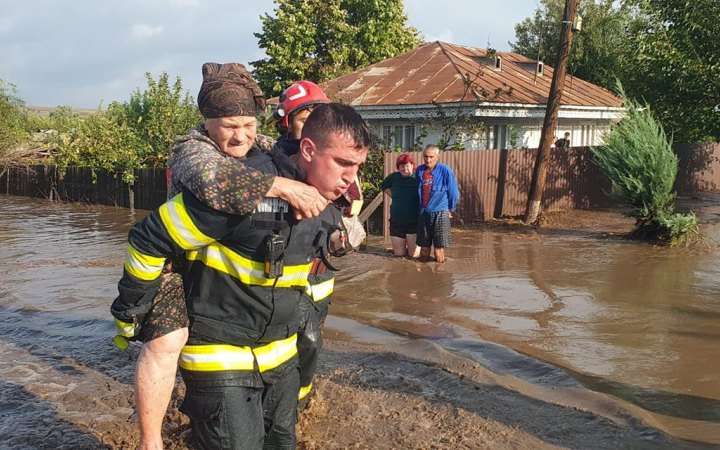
<point>309,341</point>
<point>226,415</point>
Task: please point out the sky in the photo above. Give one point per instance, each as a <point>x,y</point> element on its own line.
<point>87,53</point>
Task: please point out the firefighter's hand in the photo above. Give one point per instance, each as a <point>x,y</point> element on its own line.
<point>305,200</point>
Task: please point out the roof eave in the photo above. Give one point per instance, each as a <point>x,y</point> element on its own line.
<point>489,109</point>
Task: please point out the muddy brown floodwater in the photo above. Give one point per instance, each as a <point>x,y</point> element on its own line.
<point>568,338</point>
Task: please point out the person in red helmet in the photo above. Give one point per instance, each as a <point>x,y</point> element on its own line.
<point>296,104</point>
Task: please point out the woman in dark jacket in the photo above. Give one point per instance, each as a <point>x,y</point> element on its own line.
<point>403,189</point>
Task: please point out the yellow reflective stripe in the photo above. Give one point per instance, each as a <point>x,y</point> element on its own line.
<point>181,228</point>
<point>272,355</point>
<point>304,390</point>
<point>246,270</point>
<point>320,291</point>
<point>142,266</point>
<point>215,357</point>
<point>121,343</point>
<point>125,329</point>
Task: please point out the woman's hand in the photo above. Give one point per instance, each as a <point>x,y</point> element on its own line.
<point>305,200</point>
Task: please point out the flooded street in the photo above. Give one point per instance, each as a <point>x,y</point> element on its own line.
<point>566,310</point>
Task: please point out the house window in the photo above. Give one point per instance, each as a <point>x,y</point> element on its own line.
<point>496,141</point>
<point>399,136</point>
<point>387,136</point>
<point>409,141</point>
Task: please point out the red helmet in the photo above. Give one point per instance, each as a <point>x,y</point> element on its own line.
<point>297,96</point>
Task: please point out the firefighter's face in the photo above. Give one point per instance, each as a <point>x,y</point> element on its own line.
<point>297,122</point>
<point>234,135</point>
<point>333,168</point>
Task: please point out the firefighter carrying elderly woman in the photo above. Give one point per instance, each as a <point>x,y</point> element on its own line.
<point>247,250</point>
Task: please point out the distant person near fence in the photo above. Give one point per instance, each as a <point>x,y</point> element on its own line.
<point>439,194</point>
<point>564,142</point>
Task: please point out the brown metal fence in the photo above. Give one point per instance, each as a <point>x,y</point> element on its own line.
<point>82,184</point>
<point>698,168</point>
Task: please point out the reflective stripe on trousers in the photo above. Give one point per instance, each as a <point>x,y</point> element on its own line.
<point>304,390</point>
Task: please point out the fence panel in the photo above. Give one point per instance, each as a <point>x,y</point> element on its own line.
<point>83,184</point>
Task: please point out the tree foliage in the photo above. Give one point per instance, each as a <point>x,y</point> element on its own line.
<point>372,172</point>
<point>666,52</point>
<point>381,31</point>
<point>129,135</point>
<point>322,39</point>
<point>13,117</point>
<point>597,51</point>
<point>638,159</point>
<point>100,142</point>
<point>157,116</point>
<point>675,65</point>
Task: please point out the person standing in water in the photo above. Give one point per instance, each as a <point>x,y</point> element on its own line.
<point>402,186</point>
<point>439,194</point>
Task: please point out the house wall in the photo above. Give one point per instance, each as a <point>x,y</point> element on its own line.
<point>500,133</point>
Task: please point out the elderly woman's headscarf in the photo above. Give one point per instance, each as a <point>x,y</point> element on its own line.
<point>229,90</point>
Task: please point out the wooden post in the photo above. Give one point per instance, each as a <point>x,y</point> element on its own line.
<point>131,197</point>
<point>6,172</point>
<point>547,136</point>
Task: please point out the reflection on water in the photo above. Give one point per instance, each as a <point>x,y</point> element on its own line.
<point>638,322</point>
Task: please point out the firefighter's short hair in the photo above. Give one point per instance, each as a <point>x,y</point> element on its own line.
<point>336,118</point>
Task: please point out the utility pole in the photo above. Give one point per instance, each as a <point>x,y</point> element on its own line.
<point>547,136</point>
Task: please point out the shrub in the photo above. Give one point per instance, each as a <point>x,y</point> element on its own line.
<point>157,115</point>
<point>372,172</point>
<point>639,161</point>
<point>100,142</point>
<point>129,135</point>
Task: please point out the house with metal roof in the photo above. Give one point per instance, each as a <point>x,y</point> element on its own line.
<point>471,98</point>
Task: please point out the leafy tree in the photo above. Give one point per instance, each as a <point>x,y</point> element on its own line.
<point>322,39</point>
<point>675,65</point>
<point>381,31</point>
<point>666,52</point>
<point>157,115</point>
<point>641,165</point>
<point>13,117</point>
<point>62,119</point>
<point>598,49</point>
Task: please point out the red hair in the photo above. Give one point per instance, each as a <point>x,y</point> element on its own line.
<point>404,159</point>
